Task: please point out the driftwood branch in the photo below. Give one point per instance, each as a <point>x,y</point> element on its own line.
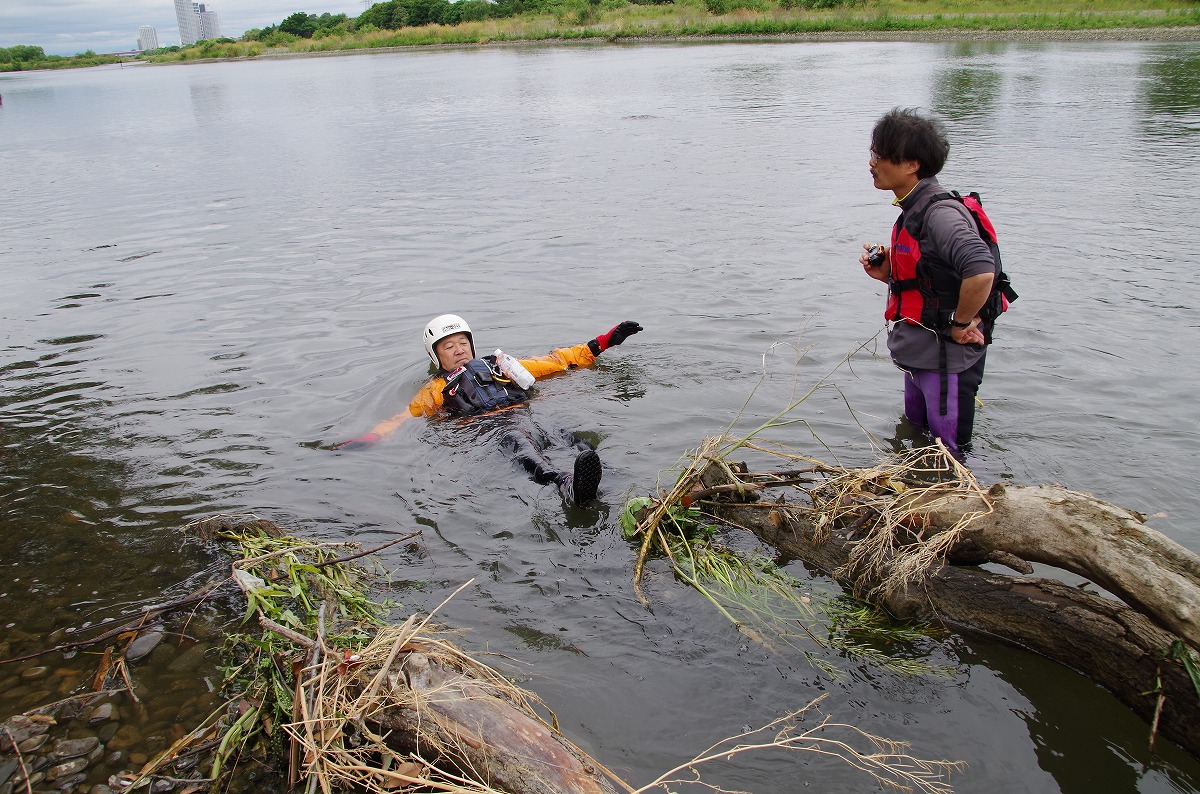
<point>1103,543</point>
<point>340,560</point>
<point>1123,645</point>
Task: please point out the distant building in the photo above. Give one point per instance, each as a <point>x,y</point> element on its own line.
<point>196,21</point>
<point>147,38</point>
<point>189,23</point>
<point>210,23</point>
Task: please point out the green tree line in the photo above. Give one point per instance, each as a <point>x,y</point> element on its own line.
<point>23,57</point>
<point>396,14</point>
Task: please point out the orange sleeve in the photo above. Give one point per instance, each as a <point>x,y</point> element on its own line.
<point>558,361</point>
<point>429,399</point>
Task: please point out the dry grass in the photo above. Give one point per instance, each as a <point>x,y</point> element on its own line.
<point>888,506</point>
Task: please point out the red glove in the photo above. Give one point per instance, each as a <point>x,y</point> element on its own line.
<point>362,442</point>
<point>616,336</point>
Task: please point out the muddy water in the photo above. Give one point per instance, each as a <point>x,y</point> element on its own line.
<point>212,270</point>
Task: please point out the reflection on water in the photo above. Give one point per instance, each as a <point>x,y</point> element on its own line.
<point>1172,96</point>
<point>212,271</point>
<point>972,91</point>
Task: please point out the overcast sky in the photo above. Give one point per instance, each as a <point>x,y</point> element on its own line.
<point>68,27</point>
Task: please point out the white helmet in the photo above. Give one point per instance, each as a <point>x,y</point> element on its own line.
<point>442,326</point>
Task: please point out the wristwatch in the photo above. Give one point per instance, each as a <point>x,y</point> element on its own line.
<point>955,324</point>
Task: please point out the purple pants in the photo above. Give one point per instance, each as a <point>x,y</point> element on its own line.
<point>922,395</point>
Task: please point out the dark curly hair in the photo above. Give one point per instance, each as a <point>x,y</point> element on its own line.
<point>908,134</point>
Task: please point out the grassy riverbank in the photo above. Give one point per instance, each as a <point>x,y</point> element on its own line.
<point>616,20</point>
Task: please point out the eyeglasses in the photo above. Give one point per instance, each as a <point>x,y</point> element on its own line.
<point>874,158</point>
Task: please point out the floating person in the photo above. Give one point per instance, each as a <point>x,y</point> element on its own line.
<point>469,385</point>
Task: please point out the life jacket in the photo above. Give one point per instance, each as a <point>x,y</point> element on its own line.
<point>478,387</point>
<point>924,288</point>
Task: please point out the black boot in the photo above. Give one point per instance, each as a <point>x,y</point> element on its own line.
<point>580,487</point>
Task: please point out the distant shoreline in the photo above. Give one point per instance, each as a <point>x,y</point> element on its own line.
<point>1155,34</point>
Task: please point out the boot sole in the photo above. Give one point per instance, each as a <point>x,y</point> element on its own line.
<point>588,471</point>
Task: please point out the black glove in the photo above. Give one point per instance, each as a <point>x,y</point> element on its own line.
<point>616,336</point>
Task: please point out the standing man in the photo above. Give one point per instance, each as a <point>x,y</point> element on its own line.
<point>939,273</point>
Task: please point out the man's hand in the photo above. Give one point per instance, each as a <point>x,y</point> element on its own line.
<point>971,335</point>
<point>876,261</point>
<point>614,337</point>
<point>365,441</point>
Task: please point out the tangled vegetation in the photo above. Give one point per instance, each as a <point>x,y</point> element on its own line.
<point>765,603</point>
<point>333,698</point>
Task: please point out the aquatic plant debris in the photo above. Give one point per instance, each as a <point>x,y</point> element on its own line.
<point>351,702</point>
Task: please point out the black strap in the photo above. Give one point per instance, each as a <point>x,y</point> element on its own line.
<point>943,376</point>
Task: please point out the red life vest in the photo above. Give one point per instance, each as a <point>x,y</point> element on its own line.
<point>923,289</point>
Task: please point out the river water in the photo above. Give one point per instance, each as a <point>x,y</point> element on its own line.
<point>211,271</point>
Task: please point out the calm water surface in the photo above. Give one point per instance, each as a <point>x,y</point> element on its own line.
<point>211,270</point>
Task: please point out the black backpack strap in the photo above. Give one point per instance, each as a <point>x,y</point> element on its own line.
<point>943,377</point>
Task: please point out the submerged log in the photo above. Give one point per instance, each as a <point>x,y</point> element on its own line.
<point>1125,646</point>
<point>478,729</point>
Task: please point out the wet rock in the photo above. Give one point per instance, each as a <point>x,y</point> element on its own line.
<point>32,780</point>
<point>33,743</point>
<point>40,696</point>
<point>34,673</point>
<point>103,713</point>
<point>126,737</point>
<point>70,710</point>
<point>66,769</point>
<point>143,645</point>
<point>100,788</point>
<point>72,782</point>
<point>18,729</point>
<point>73,748</point>
<point>189,660</point>
<point>115,758</point>
<point>160,786</point>
<point>6,788</point>
<point>107,731</point>
<point>7,769</point>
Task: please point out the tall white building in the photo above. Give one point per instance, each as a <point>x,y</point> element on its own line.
<point>210,23</point>
<point>147,38</point>
<point>196,21</point>
<point>189,22</point>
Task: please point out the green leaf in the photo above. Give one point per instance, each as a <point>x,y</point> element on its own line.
<point>250,606</point>
<point>629,522</point>
<point>288,618</point>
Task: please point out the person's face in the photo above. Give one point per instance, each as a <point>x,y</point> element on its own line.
<point>899,177</point>
<point>453,351</point>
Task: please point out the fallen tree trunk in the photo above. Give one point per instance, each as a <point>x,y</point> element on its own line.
<point>477,728</point>
<point>404,711</point>
<point>1106,544</point>
<point>1132,647</point>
